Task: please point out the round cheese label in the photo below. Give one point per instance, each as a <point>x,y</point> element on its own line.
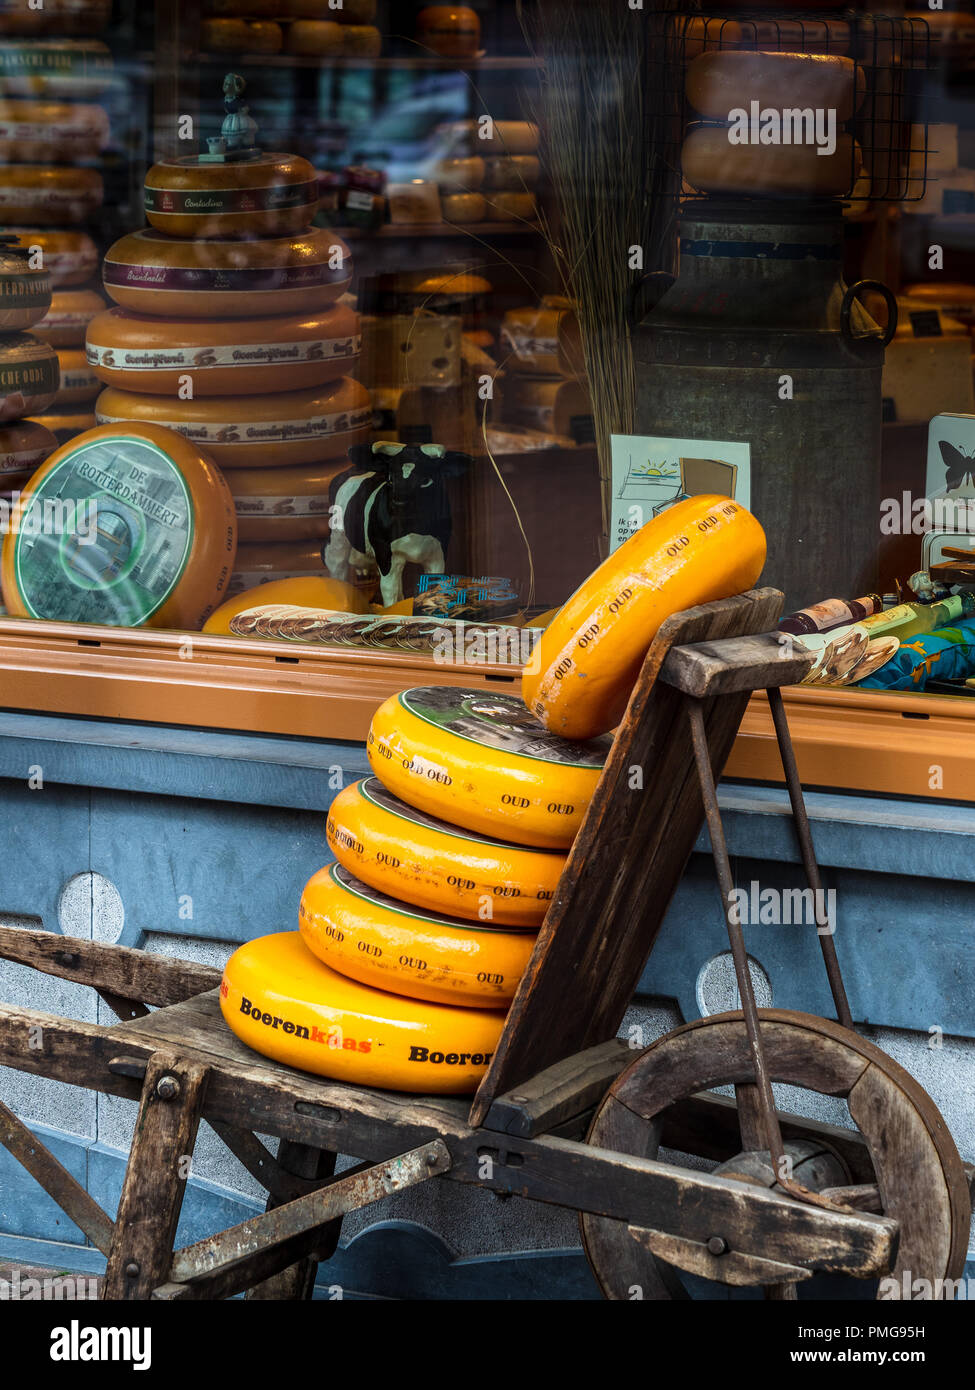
<point>502,722</point>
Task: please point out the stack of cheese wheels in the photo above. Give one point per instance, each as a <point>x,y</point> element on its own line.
<point>28,368</point>
<point>232,326</point>
<point>491,173</point>
<point>313,28</point>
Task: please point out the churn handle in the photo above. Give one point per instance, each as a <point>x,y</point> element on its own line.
<point>889,299</point>
<point>637,311</point>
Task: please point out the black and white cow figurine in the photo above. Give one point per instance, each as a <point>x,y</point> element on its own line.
<point>391,508</point>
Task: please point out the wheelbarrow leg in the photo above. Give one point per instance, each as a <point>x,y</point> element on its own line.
<point>158,1166</point>
<point>298,1280</point>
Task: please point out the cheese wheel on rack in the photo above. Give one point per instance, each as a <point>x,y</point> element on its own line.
<point>283,504</point>
<point>361,41</point>
<point>314,37</point>
<point>48,193</point>
<point>28,376</point>
<point>463,207</point>
<point>512,172</point>
<point>25,291</point>
<point>480,760</point>
<point>392,945</point>
<point>59,132</point>
<point>163,547</point>
<point>465,173</point>
<point>414,857</point>
<point>718,83</point>
<point>68,69</point>
<point>583,670</point>
<point>155,274</point>
<point>711,164</point>
<point>507,137</point>
<point>69,258</point>
<point>512,207</point>
<point>296,427</point>
<point>223,357</point>
<point>350,11</point>
<point>24,445</point>
<point>241,36</point>
<point>311,592</point>
<point>66,425</point>
<point>285,1003</point>
<point>67,320</point>
<point>452,31</point>
<point>554,405</point>
<point>544,338</point>
<point>269,196</point>
<point>79,384</point>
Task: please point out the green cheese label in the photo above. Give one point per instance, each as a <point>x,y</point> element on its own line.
<point>106,535</point>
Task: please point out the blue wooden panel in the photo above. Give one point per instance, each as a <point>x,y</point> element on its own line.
<point>25,1208</point>
<point>44,842</point>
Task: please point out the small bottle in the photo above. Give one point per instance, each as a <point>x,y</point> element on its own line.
<point>910,619</point>
<point>832,612</point>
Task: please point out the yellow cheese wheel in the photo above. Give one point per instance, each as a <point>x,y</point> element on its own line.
<point>146,533</point>
<point>298,427</point>
<point>25,290</point>
<point>718,83</point>
<point>51,194</point>
<point>310,592</point>
<point>362,933</point>
<point>554,405</point>
<point>544,338</point>
<point>266,562</point>
<point>66,425</point>
<point>285,1003</point>
<point>28,376</point>
<point>399,850</point>
<point>24,445</point>
<point>205,279</point>
<point>223,357</point>
<point>361,41</point>
<point>480,760</point>
<point>241,36</point>
<point>509,137</point>
<point>583,669</point>
<point>464,207</point>
<point>452,31</point>
<point>711,164</point>
<point>265,197</point>
<point>67,320</point>
<point>69,258</point>
<point>511,207</point>
<point>79,384</point>
<point>314,37</point>
<point>41,131</point>
<point>67,69</point>
<point>464,174</point>
<point>513,173</point>
<point>284,504</point>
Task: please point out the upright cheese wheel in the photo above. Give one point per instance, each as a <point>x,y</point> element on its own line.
<point>362,933</point>
<point>265,197</point>
<point>69,258</point>
<point>79,384</point>
<point>25,291</point>
<point>266,562</point>
<point>361,41</point>
<point>146,533</point>
<point>206,279</point>
<point>513,172</point>
<point>463,207</point>
<point>241,36</point>
<point>711,164</point>
<point>311,592</point>
<point>511,207</point>
<point>51,194</point>
<point>583,669</point>
<point>314,37</point>
<point>28,376</point>
<point>297,427</point>
<point>41,131</point>
<point>67,320</point>
<point>66,425</point>
<point>482,761</point>
<point>453,31</point>
<point>68,69</point>
<point>465,173</point>
<point>223,357</point>
<point>555,405</point>
<point>24,445</point>
<point>285,1003</point>
<point>401,851</point>
<point>718,83</point>
<point>285,504</point>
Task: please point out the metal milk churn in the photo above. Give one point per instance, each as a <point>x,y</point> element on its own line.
<point>758,340</point>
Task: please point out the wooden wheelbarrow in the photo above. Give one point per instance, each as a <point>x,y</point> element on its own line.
<point>568,1113</point>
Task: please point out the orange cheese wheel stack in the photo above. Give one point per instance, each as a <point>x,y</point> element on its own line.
<point>584,667</point>
<point>283,504</point>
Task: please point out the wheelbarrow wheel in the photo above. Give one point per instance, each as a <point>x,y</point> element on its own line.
<point>917,1178</point>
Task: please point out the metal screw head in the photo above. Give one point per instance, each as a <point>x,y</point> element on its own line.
<point>167,1088</point>
<point>132,1270</point>
<point>717,1245</point>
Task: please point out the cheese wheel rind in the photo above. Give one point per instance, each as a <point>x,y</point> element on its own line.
<point>68,257</point>
<point>396,946</point>
<point>61,68</point>
<point>51,132</point>
<point>24,445</point>
<point>266,197</point>
<point>79,383</point>
<point>285,1003</point>
<point>49,194</point>
<point>67,319</point>
<point>584,667</point>
<point>29,376</point>
<point>399,850</point>
<point>720,82</point>
<point>712,164</point>
<point>482,761</point>
<point>25,292</point>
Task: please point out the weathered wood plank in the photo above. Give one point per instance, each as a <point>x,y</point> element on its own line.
<point>737,663</point>
<point>561,1092</point>
<point>297,1281</point>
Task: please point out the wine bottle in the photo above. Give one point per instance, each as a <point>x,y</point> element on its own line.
<point>910,619</point>
<point>832,612</point>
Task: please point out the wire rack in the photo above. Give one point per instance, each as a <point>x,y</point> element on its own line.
<point>888,154</point>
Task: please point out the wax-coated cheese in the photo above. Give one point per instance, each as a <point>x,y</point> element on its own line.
<point>463,174</point>
<point>66,425</point>
<point>512,173</point>
<point>511,207</point>
<point>52,194</point>
<point>712,164</point>
<point>25,291</point>
<point>67,320</point>
<point>204,279</point>
<point>296,427</point>
<point>79,383</point>
<point>555,405</point>
<point>544,338</point>
<point>67,257</point>
<point>361,41</point>
<point>315,37</point>
<point>285,1003</point>
<point>720,82</point>
<point>482,761</point>
<point>313,592</point>
<point>163,548</point>
<point>589,657</point>
<point>24,445</point>
<point>265,197</point>
<point>50,131</point>
<point>463,207</point>
<point>284,504</point>
<point>241,36</point>
<point>368,936</point>
<point>413,856</point>
<point>28,376</point>
<point>453,31</point>
<point>67,69</point>
<point>266,562</point>
<point>223,357</point>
